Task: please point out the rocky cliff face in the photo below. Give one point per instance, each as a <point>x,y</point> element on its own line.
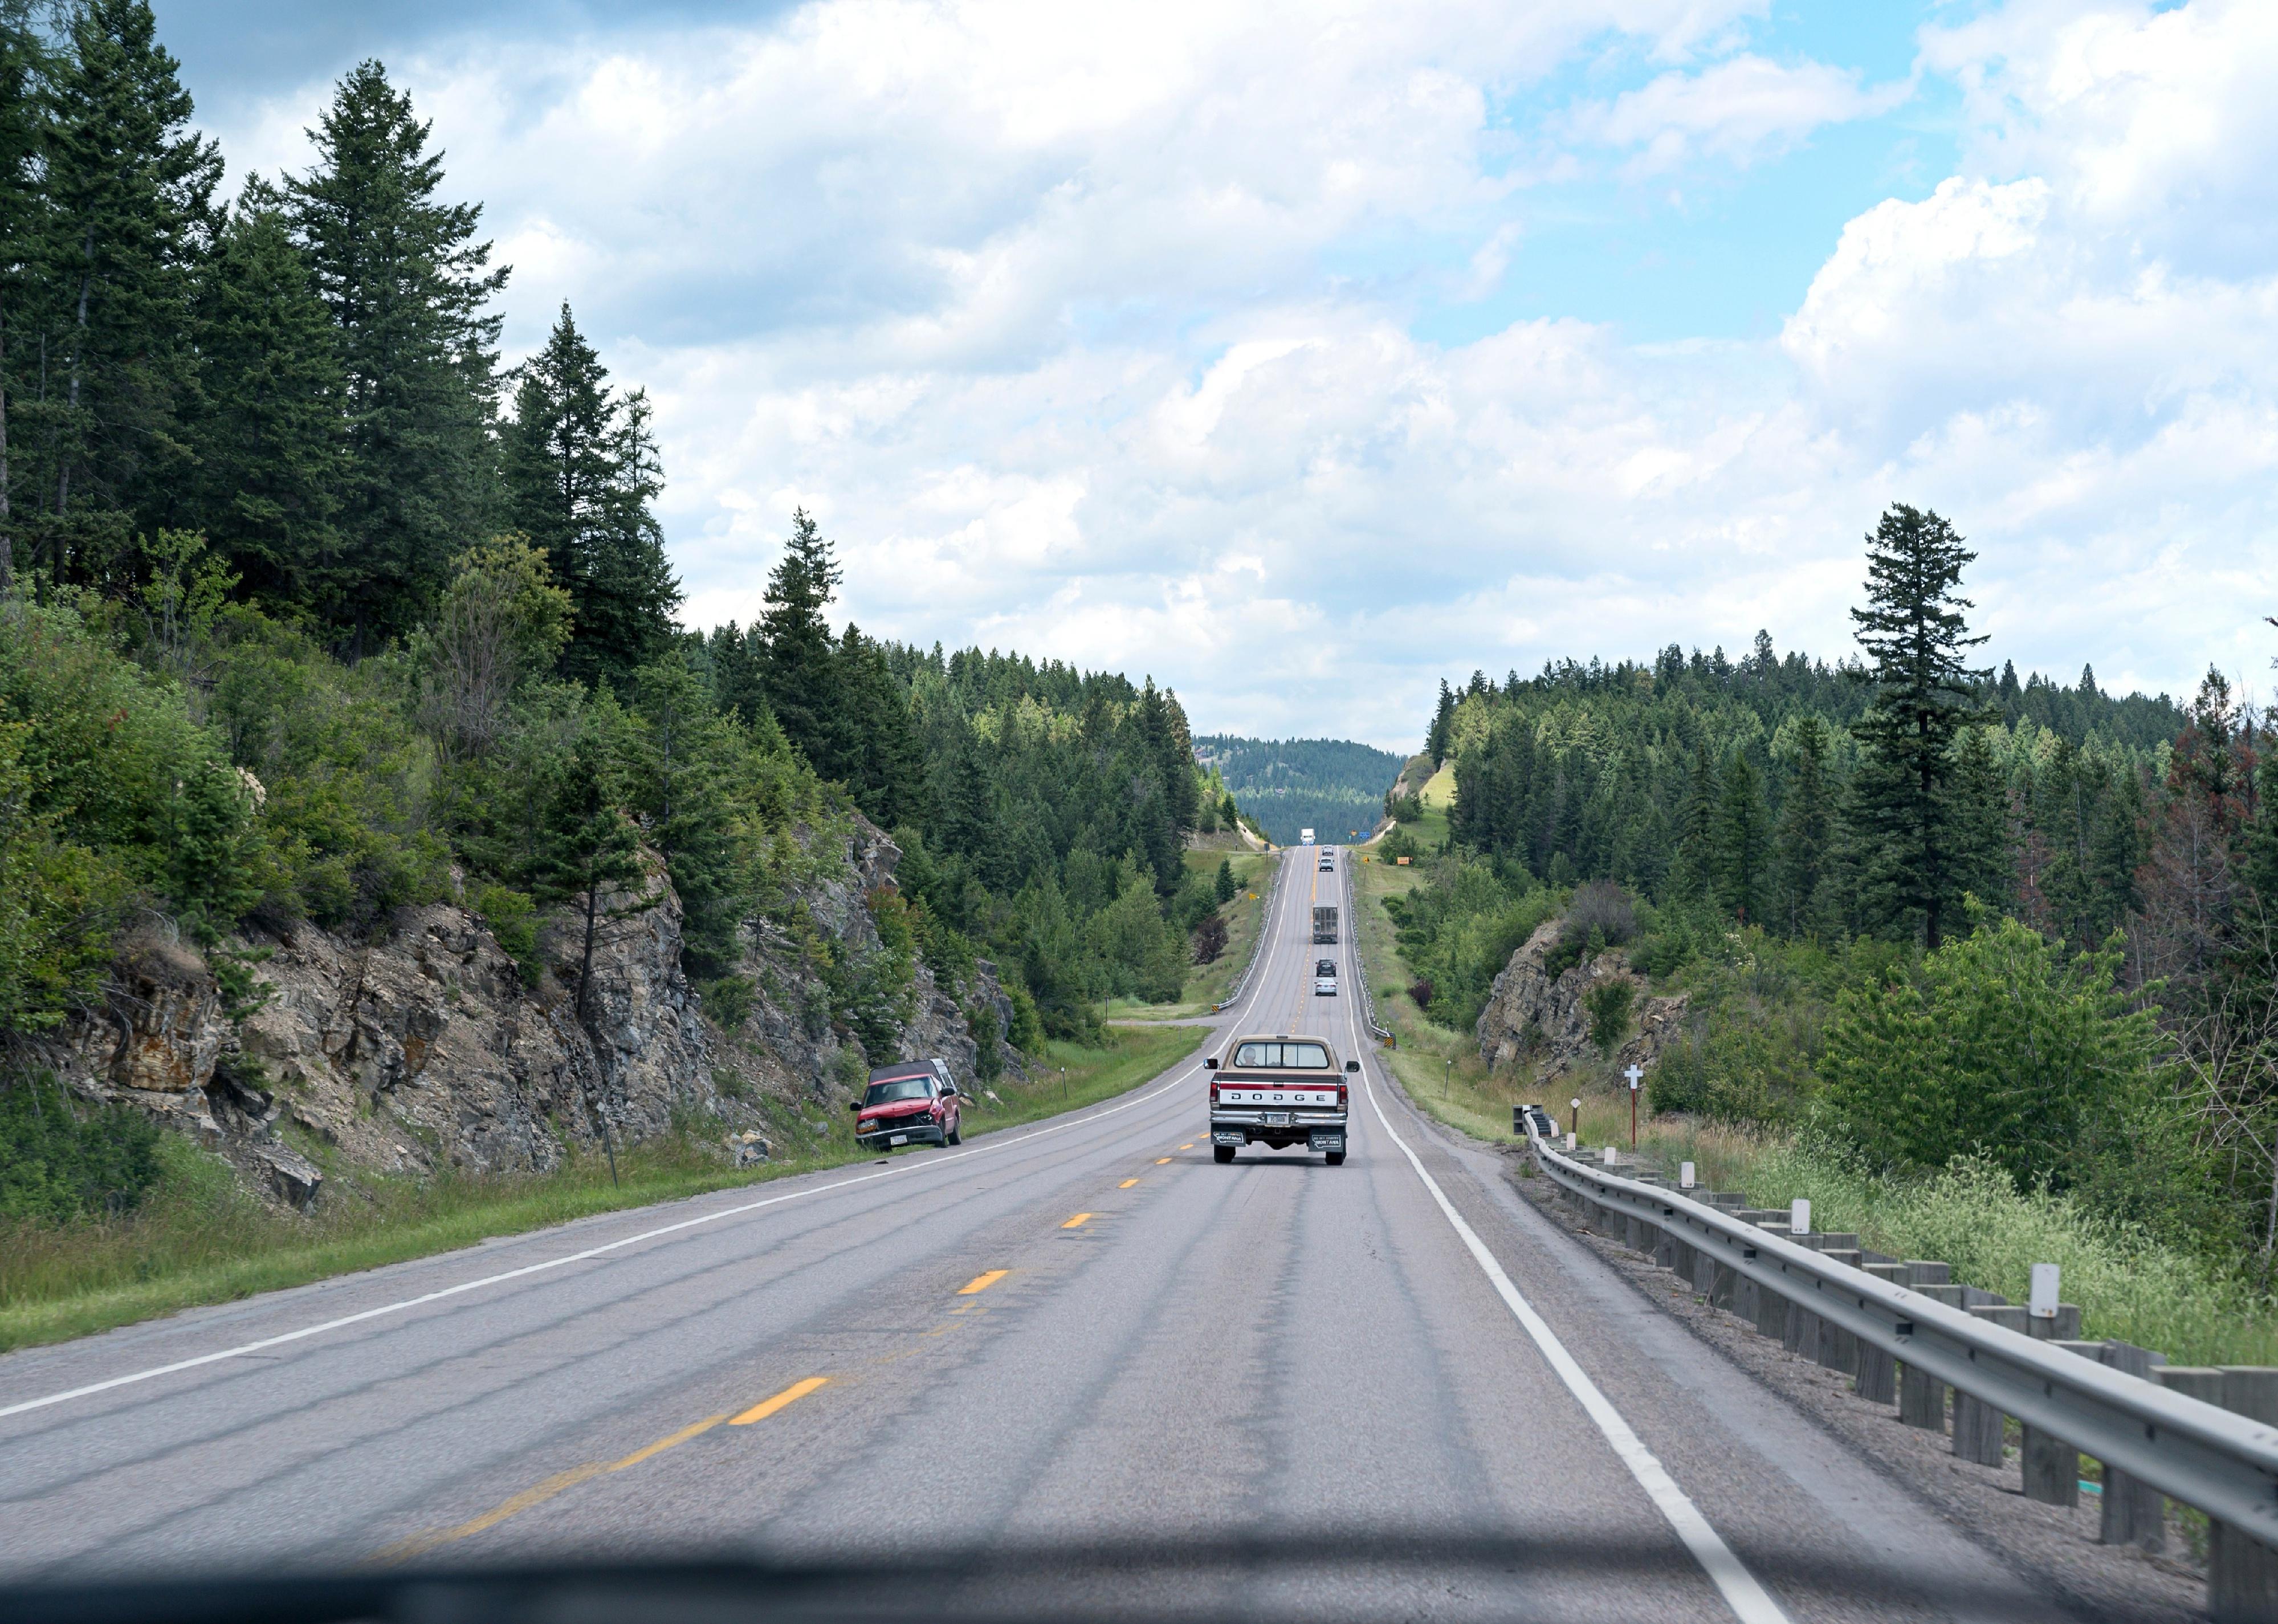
<point>424,1047</point>
<point>1533,1019</point>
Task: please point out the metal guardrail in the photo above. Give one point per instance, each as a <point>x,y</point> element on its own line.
<point>1382,1035</point>
<point>1258,946</point>
<point>2224,1463</point>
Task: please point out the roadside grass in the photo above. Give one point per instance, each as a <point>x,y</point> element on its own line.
<point>200,1238</point>
<point>2128,1286</point>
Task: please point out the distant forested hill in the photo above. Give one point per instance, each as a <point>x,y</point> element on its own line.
<point>1334,786</point>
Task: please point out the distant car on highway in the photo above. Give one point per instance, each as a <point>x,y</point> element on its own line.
<point>913,1103</point>
<point>1325,977</point>
<point>1279,1091</point>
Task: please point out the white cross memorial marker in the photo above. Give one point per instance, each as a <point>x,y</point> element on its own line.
<point>1633,1073</point>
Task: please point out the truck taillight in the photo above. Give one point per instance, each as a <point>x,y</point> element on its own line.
<point>1340,1097</point>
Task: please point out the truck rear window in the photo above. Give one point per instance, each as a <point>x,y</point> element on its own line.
<point>1268,1055</point>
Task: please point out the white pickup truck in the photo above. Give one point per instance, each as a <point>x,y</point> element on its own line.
<point>1279,1091</point>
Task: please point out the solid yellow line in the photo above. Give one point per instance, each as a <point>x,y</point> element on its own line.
<point>982,1283</point>
<point>792,1394</point>
<point>1127,1183</point>
<point>1160,1161</point>
<point>1081,1218</point>
<point>663,1444</point>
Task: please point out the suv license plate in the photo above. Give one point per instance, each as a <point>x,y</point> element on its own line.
<point>899,1138</point>
<point>1277,1119</point>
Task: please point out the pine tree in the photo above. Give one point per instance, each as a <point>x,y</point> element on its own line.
<point>130,188</point>
<point>408,287</point>
<point>1436,744</point>
<point>1983,866</point>
<point>799,669</point>
<point>269,436</point>
<point>581,474</point>
<point>1693,866</point>
<point>1742,851</point>
<point>24,62</point>
<point>587,849</point>
<point>1913,632</point>
<point>1804,842</point>
<point>875,747</point>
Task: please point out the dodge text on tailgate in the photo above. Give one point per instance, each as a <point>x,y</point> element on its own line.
<point>1279,1091</point>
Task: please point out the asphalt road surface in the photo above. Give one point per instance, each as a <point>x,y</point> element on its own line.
<point>1144,1381</point>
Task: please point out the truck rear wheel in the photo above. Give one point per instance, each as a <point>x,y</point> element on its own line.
<point>1222,1153</point>
<point>1335,1158</point>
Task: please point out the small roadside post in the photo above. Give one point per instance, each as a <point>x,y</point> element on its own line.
<point>1447,1074</point>
<point>1635,1074</point>
<point>1573,1120</point>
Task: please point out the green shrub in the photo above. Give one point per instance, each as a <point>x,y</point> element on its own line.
<point>61,1161</point>
<point>513,919</point>
<point>1607,1005</point>
<point>728,1000</point>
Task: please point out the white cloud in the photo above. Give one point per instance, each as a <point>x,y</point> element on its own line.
<point>1087,332</point>
<point>1739,110</point>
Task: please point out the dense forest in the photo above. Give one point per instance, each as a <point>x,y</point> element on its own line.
<point>311,609</point>
<point>1925,908</point>
<point>1334,786</point>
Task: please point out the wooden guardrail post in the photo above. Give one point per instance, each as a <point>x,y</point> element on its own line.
<point>1978,1425</point>
<point>2051,1466</point>
<point>2130,1512</point>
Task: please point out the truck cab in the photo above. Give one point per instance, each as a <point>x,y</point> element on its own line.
<point>1277,1090</point>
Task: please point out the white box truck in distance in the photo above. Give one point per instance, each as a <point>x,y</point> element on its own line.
<point>1305,837</point>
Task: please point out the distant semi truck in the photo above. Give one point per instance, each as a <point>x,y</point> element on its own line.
<point>1325,924</point>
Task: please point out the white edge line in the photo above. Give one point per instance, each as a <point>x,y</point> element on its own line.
<point>1750,1602</point>
<point>407,1303</point>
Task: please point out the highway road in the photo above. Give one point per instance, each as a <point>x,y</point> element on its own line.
<point>1139,1380</point>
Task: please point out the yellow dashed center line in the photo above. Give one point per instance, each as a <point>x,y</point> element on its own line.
<point>1081,1218</point>
<point>981,1282</point>
<point>792,1394</point>
<point>1160,1161</point>
<point>1127,1183</point>
<point>1185,1147</point>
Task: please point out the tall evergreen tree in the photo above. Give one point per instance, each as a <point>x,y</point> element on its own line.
<point>1805,840</point>
<point>581,479</point>
<point>1914,634</point>
<point>408,287</point>
<point>130,189</point>
<point>1692,867</point>
<point>1743,842</point>
<point>799,669</point>
<point>23,60</point>
<point>1983,864</point>
<point>1436,742</point>
<point>271,439</point>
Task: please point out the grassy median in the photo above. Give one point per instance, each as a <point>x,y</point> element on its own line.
<point>200,1239</point>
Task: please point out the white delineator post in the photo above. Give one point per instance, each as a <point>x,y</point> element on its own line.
<point>1684,1176</point>
<point>1799,1216</point>
<point>2042,1304</point>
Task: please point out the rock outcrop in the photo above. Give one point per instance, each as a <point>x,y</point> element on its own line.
<point>424,1047</point>
<point>1534,1018</point>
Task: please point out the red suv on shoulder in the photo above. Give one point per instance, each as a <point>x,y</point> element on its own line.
<point>913,1103</point>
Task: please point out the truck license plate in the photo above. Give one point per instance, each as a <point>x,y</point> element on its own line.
<point>899,1138</point>
<point>1277,1119</point>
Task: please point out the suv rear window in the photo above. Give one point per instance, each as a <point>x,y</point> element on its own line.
<point>1313,1055</point>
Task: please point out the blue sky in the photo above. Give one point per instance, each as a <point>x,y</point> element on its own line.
<point>1301,354</point>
